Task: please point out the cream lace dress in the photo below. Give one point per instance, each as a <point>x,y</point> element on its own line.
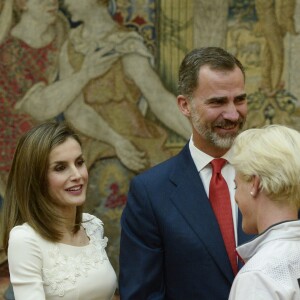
<point>40,269</point>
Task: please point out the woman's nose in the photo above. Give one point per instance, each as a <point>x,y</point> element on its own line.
<point>75,173</point>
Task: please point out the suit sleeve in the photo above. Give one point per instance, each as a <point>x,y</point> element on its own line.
<point>141,253</point>
<point>25,265</point>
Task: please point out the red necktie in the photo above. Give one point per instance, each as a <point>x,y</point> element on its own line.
<point>221,204</point>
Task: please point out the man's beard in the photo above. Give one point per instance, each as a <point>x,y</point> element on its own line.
<point>207,131</point>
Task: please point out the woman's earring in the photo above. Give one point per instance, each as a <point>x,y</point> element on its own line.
<point>251,193</point>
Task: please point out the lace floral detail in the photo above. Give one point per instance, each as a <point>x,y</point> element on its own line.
<point>65,269</point>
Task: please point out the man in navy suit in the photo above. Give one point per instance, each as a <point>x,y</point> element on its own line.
<point>171,243</point>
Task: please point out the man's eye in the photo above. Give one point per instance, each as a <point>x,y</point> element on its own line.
<point>217,102</point>
<point>241,99</point>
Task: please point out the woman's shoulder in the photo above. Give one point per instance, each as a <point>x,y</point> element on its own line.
<point>92,224</point>
<point>86,217</point>
<point>24,233</point>
<point>24,229</point>
<point>94,230</point>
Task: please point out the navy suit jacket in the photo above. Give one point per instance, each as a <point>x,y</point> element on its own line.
<point>171,244</point>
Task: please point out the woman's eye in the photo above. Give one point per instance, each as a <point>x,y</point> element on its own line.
<point>59,168</point>
<point>80,162</point>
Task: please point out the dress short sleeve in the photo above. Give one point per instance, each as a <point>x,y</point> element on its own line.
<point>25,264</point>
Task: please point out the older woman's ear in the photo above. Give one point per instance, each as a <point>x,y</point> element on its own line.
<point>255,186</point>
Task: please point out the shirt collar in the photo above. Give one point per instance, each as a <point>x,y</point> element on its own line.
<point>202,159</point>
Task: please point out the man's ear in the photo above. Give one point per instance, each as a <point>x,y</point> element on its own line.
<point>255,185</point>
<point>184,105</point>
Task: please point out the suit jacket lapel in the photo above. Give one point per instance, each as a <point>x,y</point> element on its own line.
<point>196,210</point>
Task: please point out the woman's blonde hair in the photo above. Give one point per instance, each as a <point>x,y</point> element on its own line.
<point>273,154</point>
<point>27,197</point>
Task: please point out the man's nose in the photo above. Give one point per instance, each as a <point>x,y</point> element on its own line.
<point>231,113</point>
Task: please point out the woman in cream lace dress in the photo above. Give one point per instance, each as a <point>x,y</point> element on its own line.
<point>54,250</point>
